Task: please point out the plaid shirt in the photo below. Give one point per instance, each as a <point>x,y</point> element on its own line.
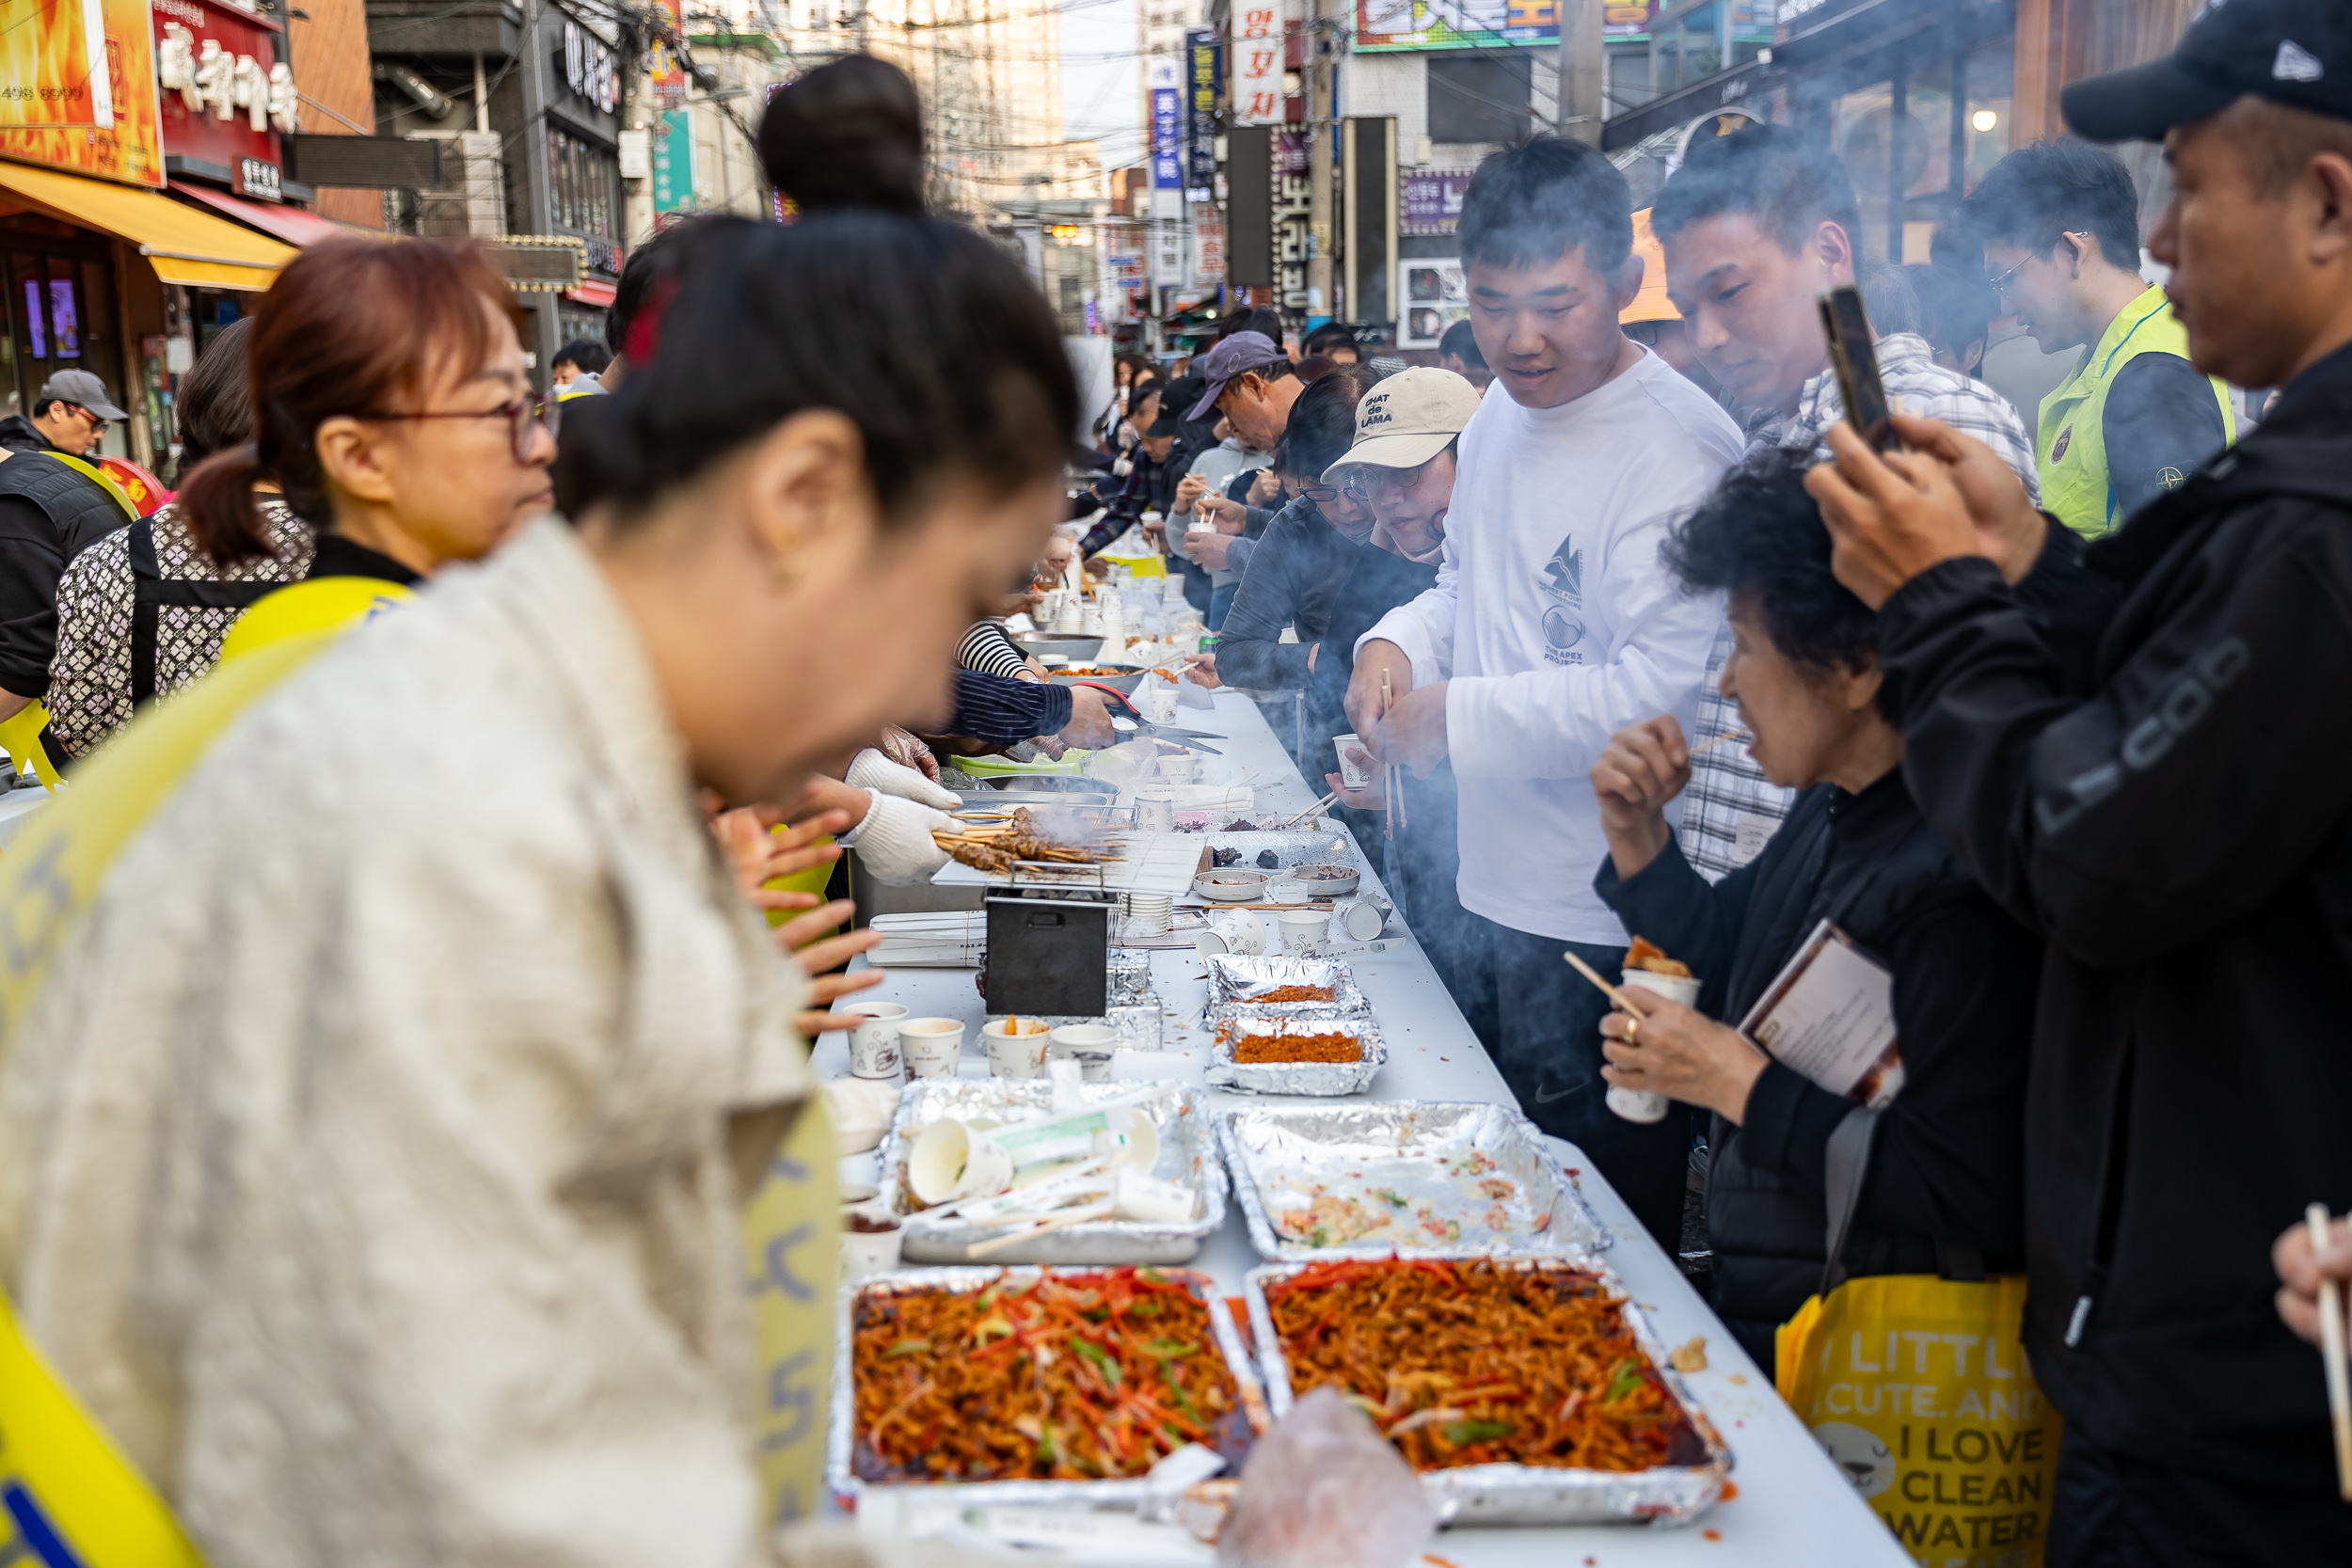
<point>1730,808</point>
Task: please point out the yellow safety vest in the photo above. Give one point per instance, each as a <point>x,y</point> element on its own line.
<point>2070,440</point>
<point>19,733</point>
<point>69,1497</point>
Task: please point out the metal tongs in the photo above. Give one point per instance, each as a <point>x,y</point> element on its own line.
<point>1134,718</point>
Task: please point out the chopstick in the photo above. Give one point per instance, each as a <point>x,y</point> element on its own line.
<point>2331,1350</point>
<point>1614,994</point>
<point>1723,740</point>
<point>1387,774</point>
<point>998,1244</point>
<point>1311,810</point>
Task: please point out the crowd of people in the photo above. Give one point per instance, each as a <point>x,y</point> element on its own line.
<point>393,1033</point>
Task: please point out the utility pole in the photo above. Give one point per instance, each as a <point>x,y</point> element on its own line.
<point>636,136</point>
<point>1319,149</point>
<point>1583,69</point>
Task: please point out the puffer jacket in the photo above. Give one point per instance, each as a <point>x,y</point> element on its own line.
<point>1946,1175</point>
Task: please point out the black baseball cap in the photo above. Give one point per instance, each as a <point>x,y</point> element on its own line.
<point>1179,395</point>
<point>2293,52</point>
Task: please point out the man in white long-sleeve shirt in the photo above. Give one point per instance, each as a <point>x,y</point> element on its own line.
<point>1552,625</point>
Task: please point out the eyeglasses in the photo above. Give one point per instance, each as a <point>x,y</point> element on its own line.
<point>1322,495</point>
<point>524,417</point>
<point>1371,486</point>
<point>2001,281</point>
<point>96,419</point>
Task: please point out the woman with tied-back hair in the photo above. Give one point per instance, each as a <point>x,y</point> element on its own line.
<point>371,1154</point>
<point>395,433</point>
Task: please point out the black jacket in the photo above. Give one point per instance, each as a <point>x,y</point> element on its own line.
<point>19,433</point>
<point>48,514</point>
<point>2175,821</point>
<point>1946,1166</point>
<point>1292,576</point>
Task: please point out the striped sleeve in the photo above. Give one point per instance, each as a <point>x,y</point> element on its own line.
<point>1000,711</point>
<point>988,649</point>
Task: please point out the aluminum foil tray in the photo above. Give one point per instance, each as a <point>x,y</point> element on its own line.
<point>1188,1154</point>
<point>1304,1078</point>
<point>841,1441</point>
<point>1232,977</point>
<point>1292,847</point>
<point>1536,1493</point>
<point>1413,1165</point>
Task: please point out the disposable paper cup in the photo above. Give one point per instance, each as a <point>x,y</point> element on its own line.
<point>1302,929</point>
<point>932,1046</point>
<point>1209,944</point>
<point>1011,1055</point>
<point>1363,919</point>
<point>1641,1104</point>
<point>1090,1045</point>
<point>1139,1197</point>
<point>1156,816</point>
<point>1159,701</point>
<point>854,1193</point>
<point>1241,931</point>
<point>1350,775</point>
<point>1202,525</point>
<point>1179,767</point>
<point>871,1238</point>
<point>950,1160</point>
<point>874,1040</point>
<point>1147,915</point>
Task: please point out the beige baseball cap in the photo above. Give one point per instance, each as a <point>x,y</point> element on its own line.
<point>1408,418</point>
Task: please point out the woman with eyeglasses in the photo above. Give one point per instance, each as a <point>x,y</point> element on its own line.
<point>373,1152</point>
<point>392,406</point>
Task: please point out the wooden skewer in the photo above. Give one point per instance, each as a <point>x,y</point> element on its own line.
<point>998,1244</point>
<point>2331,1350</point>
<point>1311,810</point>
<point>1614,994</point>
<point>1723,739</point>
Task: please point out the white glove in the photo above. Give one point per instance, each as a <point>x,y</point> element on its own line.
<point>870,769</point>
<point>894,842</point>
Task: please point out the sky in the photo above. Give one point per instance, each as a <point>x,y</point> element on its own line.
<point>1102,89</point>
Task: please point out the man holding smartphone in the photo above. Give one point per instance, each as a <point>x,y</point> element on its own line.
<point>1756,225</point>
<point>2172,814</point>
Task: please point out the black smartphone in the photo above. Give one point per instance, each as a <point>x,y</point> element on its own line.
<point>1853,354</point>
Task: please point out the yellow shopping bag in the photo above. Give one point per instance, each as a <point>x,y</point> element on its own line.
<point>1919,1388</point>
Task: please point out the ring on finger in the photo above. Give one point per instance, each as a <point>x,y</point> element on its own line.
<point>1630,1026</point>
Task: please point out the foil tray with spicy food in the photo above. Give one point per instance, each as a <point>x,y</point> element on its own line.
<point>1697,1461</point>
<point>852,1465</point>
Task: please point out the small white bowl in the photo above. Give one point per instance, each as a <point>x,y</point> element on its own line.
<point>1230,885</point>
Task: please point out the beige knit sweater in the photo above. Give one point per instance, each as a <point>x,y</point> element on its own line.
<point>364,1162</point>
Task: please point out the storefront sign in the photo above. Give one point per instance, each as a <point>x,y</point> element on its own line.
<point>226,98</point>
<point>1205,84</point>
<point>1257,95</point>
<point>590,68</point>
<point>77,87</point>
<point>674,161</point>
<point>1167,127</point>
<point>665,73</point>
<point>1431,203</point>
<point>1390,25</point>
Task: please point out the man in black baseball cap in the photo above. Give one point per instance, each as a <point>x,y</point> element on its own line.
<point>2132,744</point>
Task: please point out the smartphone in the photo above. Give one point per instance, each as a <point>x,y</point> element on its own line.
<point>1853,354</point>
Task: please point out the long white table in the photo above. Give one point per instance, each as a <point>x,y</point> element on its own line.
<point>1791,1506</point>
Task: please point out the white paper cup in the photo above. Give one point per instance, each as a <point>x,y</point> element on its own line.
<point>1090,1045</point>
<point>1145,1198</point>
<point>1240,931</point>
<point>1159,701</point>
<point>1303,931</point>
<point>1363,919</point>
<point>871,1238</point>
<point>1179,766</point>
<point>1642,1105</point>
<point>1011,1055</point>
<point>950,1160</point>
<point>874,1040</point>
<point>1209,944</point>
<point>1156,816</point>
<point>1350,775</point>
<point>932,1046</point>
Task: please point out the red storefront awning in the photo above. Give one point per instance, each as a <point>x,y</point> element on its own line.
<point>292,225</point>
<point>592,291</point>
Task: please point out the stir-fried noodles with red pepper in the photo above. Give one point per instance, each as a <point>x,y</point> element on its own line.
<point>1090,1376</point>
<point>1475,1364</point>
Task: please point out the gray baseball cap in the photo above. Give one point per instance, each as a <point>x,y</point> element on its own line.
<point>82,390</point>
